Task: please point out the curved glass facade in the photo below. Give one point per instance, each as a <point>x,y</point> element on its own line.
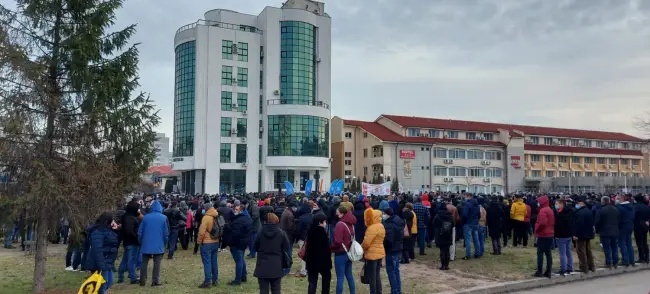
<point>184,99</point>
<point>298,135</point>
<point>297,64</point>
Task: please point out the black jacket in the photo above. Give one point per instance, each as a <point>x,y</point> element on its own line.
<point>641,216</point>
<point>304,221</point>
<point>607,221</point>
<point>130,223</point>
<point>443,239</point>
<point>494,219</point>
<point>175,217</point>
<point>225,211</point>
<point>238,232</point>
<point>584,224</point>
<point>318,256</point>
<point>394,226</point>
<point>360,225</point>
<point>270,244</point>
<point>564,223</point>
<point>254,212</point>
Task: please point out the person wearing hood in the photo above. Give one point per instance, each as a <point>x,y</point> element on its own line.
<point>359,227</point>
<point>344,233</point>
<point>518,212</point>
<point>383,204</point>
<point>271,245</point>
<point>470,216</point>
<point>394,204</point>
<point>129,236</point>
<point>210,246</point>
<point>393,242</point>
<point>444,224</point>
<point>494,219</point>
<point>641,218</point>
<point>254,212</point>
<point>373,248</point>
<point>318,257</point>
<point>103,249</point>
<point>176,221</point>
<point>153,234</point>
<point>626,228</point>
<point>425,200</point>
<point>305,218</point>
<point>544,231</point>
<point>237,236</point>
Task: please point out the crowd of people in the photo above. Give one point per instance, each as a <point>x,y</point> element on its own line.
<point>334,232</point>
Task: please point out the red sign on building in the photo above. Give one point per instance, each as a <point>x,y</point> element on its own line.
<point>514,161</point>
<point>409,154</point>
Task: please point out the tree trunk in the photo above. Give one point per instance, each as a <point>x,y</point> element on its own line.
<point>41,255</point>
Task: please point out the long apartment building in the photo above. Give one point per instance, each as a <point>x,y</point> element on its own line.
<point>428,154</point>
<point>252,99</point>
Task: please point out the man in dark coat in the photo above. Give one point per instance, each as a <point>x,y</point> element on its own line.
<point>254,213</point>
<point>238,235</point>
<point>584,233</point>
<point>641,218</point>
<point>607,220</point>
<point>626,228</point>
<point>393,241</point>
<point>318,258</point>
<point>129,236</point>
<point>494,223</point>
<point>359,226</point>
<point>176,221</point>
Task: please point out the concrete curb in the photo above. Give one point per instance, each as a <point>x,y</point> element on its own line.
<point>545,282</point>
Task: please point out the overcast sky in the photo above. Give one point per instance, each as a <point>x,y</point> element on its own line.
<point>561,63</point>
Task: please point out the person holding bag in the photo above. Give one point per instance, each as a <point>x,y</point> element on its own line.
<point>373,248</point>
<point>343,235</point>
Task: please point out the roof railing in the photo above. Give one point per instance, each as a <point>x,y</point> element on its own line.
<point>298,102</point>
<point>225,25</point>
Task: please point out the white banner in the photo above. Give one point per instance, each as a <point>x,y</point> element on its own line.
<point>376,189</point>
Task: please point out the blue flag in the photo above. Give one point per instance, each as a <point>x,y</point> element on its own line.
<point>308,186</point>
<point>289,187</point>
<point>339,188</point>
<point>333,187</point>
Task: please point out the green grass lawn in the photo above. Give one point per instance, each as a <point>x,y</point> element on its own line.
<point>185,273</point>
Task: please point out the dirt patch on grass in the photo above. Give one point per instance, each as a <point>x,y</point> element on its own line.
<point>425,275</point>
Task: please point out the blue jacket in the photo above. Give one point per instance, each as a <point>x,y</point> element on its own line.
<point>395,206</point>
<point>471,212</point>
<point>103,249</point>
<point>584,224</point>
<point>153,232</point>
<point>626,218</point>
<point>394,234</point>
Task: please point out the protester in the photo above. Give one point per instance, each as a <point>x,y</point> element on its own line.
<point>607,220</point>
<point>318,255</point>
<point>544,231</point>
<point>470,217</point>
<point>254,212</point>
<point>518,213</point>
<point>423,217</point>
<point>564,232</point>
<point>176,221</point>
<point>153,234</point>
<point>408,243</point>
<point>584,233</point>
<point>626,228</point>
<point>641,219</point>
<point>271,245</point>
<point>444,224</point>
<point>343,235</point>
<point>495,220</point>
<point>129,237</point>
<point>373,248</point>
<point>209,234</point>
<point>240,229</point>
<point>394,227</point>
<point>103,249</point>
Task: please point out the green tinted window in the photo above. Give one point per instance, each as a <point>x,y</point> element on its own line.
<point>242,77</point>
<point>226,101</point>
<point>226,49</point>
<point>185,67</point>
<point>241,153</point>
<point>297,64</point>
<point>298,135</point>
<point>241,127</point>
<point>242,51</point>
<point>225,152</point>
<point>226,126</point>
<point>226,75</point>
<point>242,101</point>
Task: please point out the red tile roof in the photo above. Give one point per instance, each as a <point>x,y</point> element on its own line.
<point>460,125</point>
<point>553,148</point>
<point>162,169</point>
<point>385,134</point>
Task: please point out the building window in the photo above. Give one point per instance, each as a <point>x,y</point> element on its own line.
<point>241,153</point>
<point>548,141</point>
<point>348,135</point>
<point>625,145</point>
<point>261,103</point>
<point>261,79</point>
<point>242,77</point>
<point>562,142</point>
<point>549,158</point>
<point>612,161</point>
<point>536,173</point>
<point>624,161</point>
<point>550,174</point>
<point>602,174</point>
<point>226,126</point>
<point>488,137</point>
<point>476,172</point>
<point>575,142</point>
<point>348,162</point>
<point>259,154</point>
<point>225,152</point>
<point>434,133</point>
<point>241,127</point>
<point>242,51</point>
<point>614,174</point>
<point>365,170</point>
<point>365,134</point>
<point>298,135</point>
<point>470,136</point>
<point>588,143</point>
<point>494,172</point>
<point>457,171</point>
<point>457,153</point>
<point>348,172</point>
<point>589,174</point>
<point>297,63</point>
<point>280,176</point>
<point>185,67</point>
<point>576,174</point>
<point>534,158</point>
<point>493,155</point>
<point>226,101</point>
<point>413,132</point>
<point>226,49</point>
<point>612,144</point>
<point>439,152</point>
<point>636,146</point>
<point>601,160</point>
<point>475,154</point>
<point>600,144</point>
<point>564,174</point>
<point>242,102</point>
<point>534,140</point>
<point>563,159</point>
<point>440,171</point>
<point>365,152</point>
<point>226,75</point>
<point>589,160</point>
<point>636,162</point>
<point>575,159</point>
<point>348,154</point>
<point>452,134</point>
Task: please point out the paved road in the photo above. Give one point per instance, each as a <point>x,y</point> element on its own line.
<point>626,283</point>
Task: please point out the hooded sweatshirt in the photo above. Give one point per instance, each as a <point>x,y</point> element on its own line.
<point>383,205</point>
<point>518,210</point>
<point>425,201</point>
<point>545,224</point>
<point>153,232</point>
<point>471,212</point>
<point>206,226</point>
<point>373,241</point>
<point>129,230</point>
<point>343,233</point>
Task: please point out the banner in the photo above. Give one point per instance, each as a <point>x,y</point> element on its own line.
<point>376,189</point>
<point>289,187</point>
<point>308,186</point>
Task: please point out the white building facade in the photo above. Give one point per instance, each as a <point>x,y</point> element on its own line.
<point>252,99</point>
<point>161,146</point>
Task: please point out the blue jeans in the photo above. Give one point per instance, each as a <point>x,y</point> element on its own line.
<point>422,238</point>
<point>330,228</point>
<point>627,252</point>
<point>290,251</point>
<point>173,240</point>
<point>481,240</point>
<point>392,269</point>
<point>566,258</point>
<point>209,259</point>
<point>69,261</point>
<point>240,264</point>
<point>471,234</point>
<point>251,248</point>
<point>129,259</point>
<point>108,276</point>
<point>610,247</point>
<point>343,267</point>
<point>138,262</point>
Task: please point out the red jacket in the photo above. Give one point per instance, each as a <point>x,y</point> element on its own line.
<point>341,235</point>
<point>545,225</point>
<point>528,213</point>
<point>425,200</point>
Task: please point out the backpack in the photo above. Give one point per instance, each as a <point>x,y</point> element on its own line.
<point>218,223</point>
<point>445,229</point>
<point>356,251</point>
